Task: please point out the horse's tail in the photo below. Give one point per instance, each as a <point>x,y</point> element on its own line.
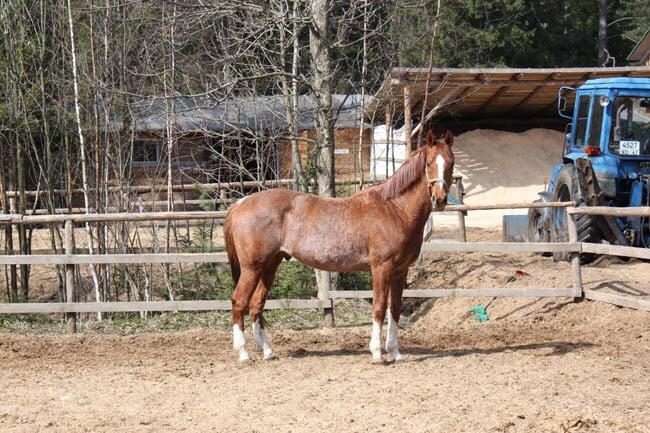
<point>235,269</point>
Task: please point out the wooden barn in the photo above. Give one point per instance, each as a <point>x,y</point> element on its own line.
<point>238,140</point>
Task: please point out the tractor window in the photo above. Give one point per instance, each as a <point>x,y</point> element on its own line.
<point>581,122</point>
<point>596,125</point>
<point>630,135</point>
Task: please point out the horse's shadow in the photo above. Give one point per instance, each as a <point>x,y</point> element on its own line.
<point>557,348</point>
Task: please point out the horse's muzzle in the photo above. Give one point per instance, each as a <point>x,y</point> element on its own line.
<point>439,205</point>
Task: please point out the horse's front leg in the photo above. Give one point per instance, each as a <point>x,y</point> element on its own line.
<point>394,312</point>
<point>380,287</point>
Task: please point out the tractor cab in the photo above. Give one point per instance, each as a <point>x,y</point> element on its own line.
<point>606,162</point>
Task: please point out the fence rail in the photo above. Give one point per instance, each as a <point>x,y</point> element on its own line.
<point>114,217</point>
<point>70,260</point>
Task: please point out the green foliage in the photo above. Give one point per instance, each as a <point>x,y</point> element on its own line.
<point>202,281</point>
<point>520,33</point>
<point>294,281</point>
<point>355,281</point>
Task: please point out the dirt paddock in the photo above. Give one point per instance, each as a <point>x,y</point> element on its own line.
<point>537,365</point>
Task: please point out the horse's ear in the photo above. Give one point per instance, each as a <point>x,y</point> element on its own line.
<point>431,138</point>
<point>448,138</point>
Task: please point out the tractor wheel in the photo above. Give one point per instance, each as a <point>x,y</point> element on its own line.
<point>567,188</point>
<point>536,230</point>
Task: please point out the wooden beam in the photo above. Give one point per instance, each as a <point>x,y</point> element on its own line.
<point>83,259</point>
<point>408,120</point>
<point>582,80</point>
<point>436,109</point>
<point>610,211</point>
<point>500,247</point>
<point>500,91</point>
<point>71,319</point>
<point>629,301</point>
<point>107,307</point>
<point>189,187</point>
<point>483,81</point>
<point>575,258</point>
<point>532,94</point>
<point>400,72</point>
<point>111,217</point>
<point>466,207</point>
<point>447,246</point>
<point>461,293</point>
<point>616,250</point>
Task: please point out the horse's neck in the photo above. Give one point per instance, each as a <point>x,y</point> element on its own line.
<point>415,203</point>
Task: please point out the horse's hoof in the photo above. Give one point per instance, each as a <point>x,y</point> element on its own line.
<point>377,360</point>
<point>270,356</point>
<point>395,358</point>
<point>244,357</point>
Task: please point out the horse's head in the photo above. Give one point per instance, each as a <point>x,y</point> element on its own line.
<point>439,165</point>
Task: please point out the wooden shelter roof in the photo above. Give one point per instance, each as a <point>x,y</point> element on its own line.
<point>484,93</point>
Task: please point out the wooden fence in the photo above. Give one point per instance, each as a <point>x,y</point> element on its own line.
<point>70,259</point>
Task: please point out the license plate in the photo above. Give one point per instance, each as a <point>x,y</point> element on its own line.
<point>630,148</point>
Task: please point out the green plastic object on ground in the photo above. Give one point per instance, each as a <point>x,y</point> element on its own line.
<point>480,314</point>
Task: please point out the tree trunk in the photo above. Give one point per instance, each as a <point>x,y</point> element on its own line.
<point>322,100</point>
<point>602,32</point>
<point>82,150</point>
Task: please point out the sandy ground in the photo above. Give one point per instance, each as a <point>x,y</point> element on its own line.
<point>536,366</point>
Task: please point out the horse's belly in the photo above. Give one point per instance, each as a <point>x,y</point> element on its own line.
<point>330,254</point>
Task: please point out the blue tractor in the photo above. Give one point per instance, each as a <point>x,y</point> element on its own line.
<point>605,162</point>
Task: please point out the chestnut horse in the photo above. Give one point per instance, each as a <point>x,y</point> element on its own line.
<point>379,230</point>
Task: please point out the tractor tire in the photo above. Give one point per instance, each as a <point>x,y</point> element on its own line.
<point>567,188</point>
<point>536,231</point>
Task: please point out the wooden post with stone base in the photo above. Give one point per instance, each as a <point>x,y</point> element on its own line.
<point>71,318</point>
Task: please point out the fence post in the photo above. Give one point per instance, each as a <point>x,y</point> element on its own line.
<point>324,281</point>
<point>578,294</point>
<point>13,209</point>
<point>462,232</point>
<point>71,318</point>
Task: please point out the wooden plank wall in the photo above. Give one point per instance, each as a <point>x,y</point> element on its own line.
<point>346,153</point>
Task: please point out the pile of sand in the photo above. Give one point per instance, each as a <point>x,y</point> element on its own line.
<point>506,167</point>
<point>503,167</point>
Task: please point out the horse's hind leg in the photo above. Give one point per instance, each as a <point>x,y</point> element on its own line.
<point>240,298</point>
<point>394,311</point>
<point>256,307</point>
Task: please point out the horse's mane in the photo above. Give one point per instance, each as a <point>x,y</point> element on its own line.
<point>408,173</point>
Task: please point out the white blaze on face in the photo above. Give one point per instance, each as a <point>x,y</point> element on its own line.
<point>261,340</point>
<point>375,341</point>
<point>440,162</point>
<point>239,343</point>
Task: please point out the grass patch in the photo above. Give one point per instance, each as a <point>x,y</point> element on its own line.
<point>347,313</point>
